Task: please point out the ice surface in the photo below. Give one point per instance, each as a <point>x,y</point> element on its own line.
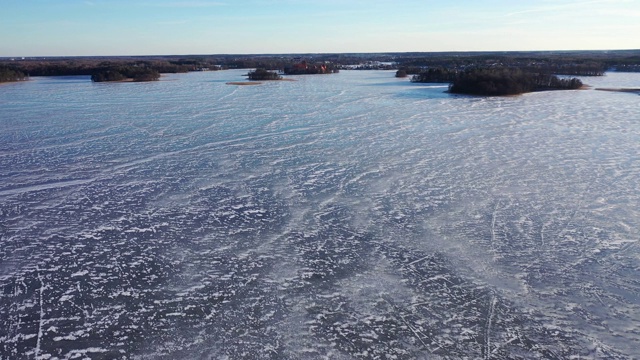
<point>351,215</point>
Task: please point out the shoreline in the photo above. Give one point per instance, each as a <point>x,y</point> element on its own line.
<point>12,82</point>
<point>622,90</point>
<point>583,87</point>
<point>244,83</point>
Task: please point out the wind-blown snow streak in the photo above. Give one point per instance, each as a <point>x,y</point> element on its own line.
<point>41,317</point>
<point>41,187</point>
<point>487,336</point>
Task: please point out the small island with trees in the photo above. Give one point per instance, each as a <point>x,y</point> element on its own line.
<point>257,76</point>
<point>263,75</point>
<point>505,81</point>
<point>496,81</point>
<point>296,68</point>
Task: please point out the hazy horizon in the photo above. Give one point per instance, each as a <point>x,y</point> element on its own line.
<point>558,51</point>
<point>165,27</point>
<point>248,54</point>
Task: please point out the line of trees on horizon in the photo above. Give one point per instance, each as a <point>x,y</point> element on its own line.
<point>573,63</point>
<point>71,67</point>
<point>577,65</point>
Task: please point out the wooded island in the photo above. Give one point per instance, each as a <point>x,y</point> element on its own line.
<point>498,82</point>
<point>495,81</point>
<point>262,74</point>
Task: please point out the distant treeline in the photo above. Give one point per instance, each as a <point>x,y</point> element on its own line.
<point>448,74</point>
<point>575,63</point>
<point>91,67</point>
<point>508,81</point>
<point>585,69</point>
<point>7,75</point>
<point>628,68</point>
<point>278,63</point>
<point>565,65</point>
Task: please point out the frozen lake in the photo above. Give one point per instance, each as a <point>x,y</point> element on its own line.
<point>344,216</point>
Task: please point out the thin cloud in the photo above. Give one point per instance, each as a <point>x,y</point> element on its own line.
<point>190,4</point>
<point>551,8</point>
<point>172,22</point>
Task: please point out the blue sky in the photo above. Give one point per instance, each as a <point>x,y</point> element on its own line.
<point>148,27</point>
